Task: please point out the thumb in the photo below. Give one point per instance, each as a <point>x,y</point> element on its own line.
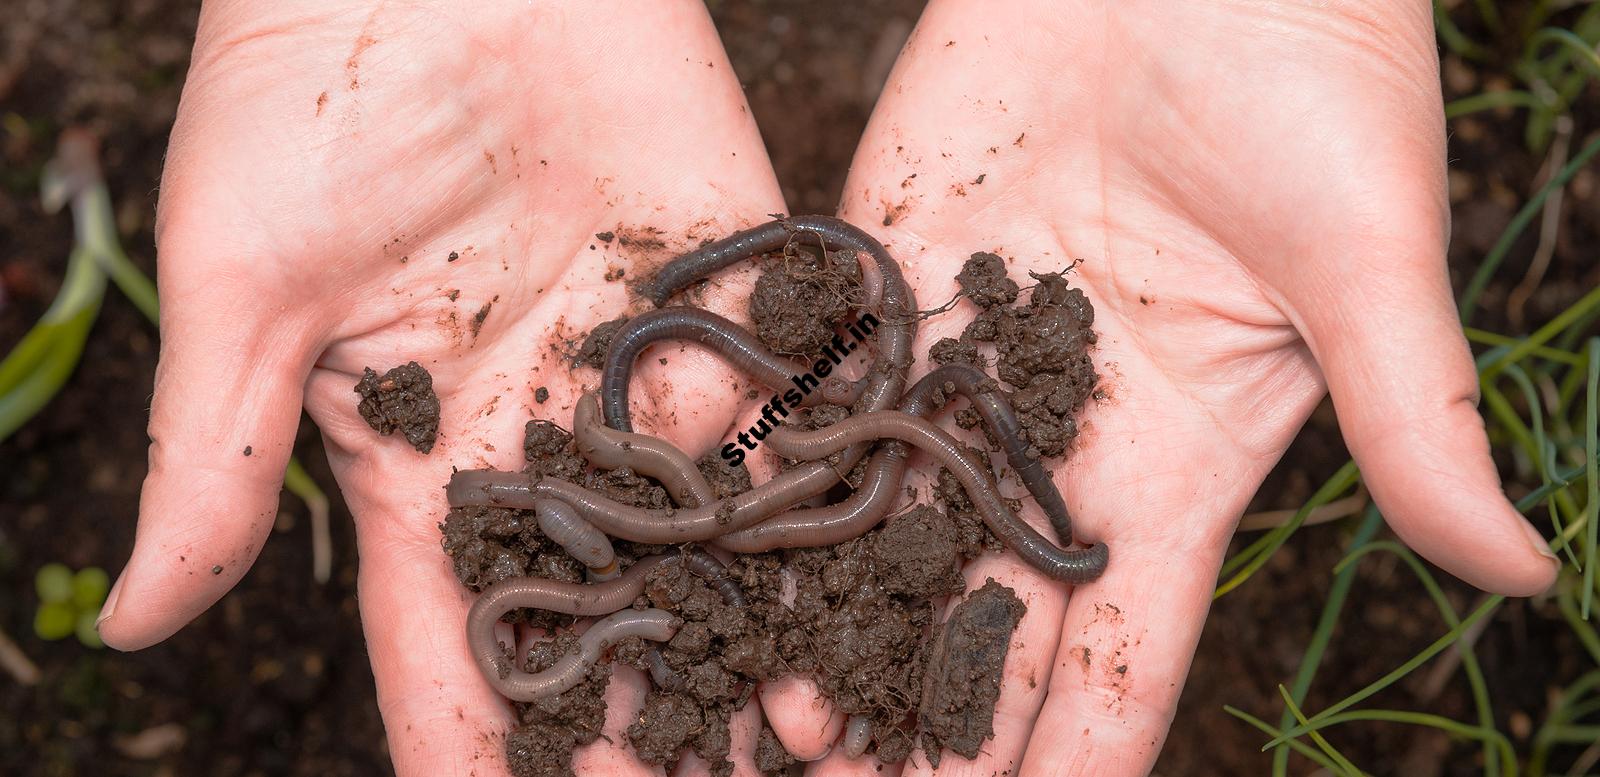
<point>222,426</point>
<point>1381,321</point>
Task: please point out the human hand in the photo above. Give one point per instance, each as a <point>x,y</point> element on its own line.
<point>1255,192</point>
<point>373,184</point>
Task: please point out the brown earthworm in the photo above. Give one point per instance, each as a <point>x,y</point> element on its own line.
<point>1072,566</point>
<point>668,527</point>
<point>608,448</point>
<point>849,519</point>
<point>857,735</point>
<point>581,540</point>
<point>991,403</point>
<point>518,685</point>
<point>570,598</point>
<point>887,378</point>
<point>729,340</point>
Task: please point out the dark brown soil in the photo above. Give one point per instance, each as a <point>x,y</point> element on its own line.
<point>402,400</point>
<point>963,676</point>
<point>800,301</point>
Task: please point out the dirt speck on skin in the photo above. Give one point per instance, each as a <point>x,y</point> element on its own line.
<point>592,353</point>
<point>964,668</point>
<point>801,299</point>
<point>541,395</point>
<point>402,400</point>
<point>771,758</point>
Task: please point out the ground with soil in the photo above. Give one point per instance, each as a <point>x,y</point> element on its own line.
<point>275,681</point>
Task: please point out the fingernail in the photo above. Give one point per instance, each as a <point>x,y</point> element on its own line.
<point>1539,543</point>
<point>110,607</point>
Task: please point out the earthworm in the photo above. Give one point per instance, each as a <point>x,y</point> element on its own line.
<point>665,527</point>
<point>857,735</point>
<point>701,563</point>
<point>608,448</point>
<point>556,596</point>
<point>665,677</point>
<point>849,519</point>
<point>581,540</point>
<point>991,403</point>
<point>518,685</point>
<point>1072,566</point>
<point>887,378</point>
<point>729,340</point>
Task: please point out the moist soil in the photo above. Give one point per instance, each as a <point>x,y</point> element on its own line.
<point>274,680</point>
<point>401,400</point>
<point>860,617</point>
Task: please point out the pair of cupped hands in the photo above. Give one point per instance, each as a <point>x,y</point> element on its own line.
<point>1254,194</point>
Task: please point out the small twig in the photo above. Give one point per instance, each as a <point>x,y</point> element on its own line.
<point>16,663</point>
<point>1549,226</point>
<point>1332,511</point>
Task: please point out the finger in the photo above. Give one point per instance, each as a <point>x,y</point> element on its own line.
<point>1383,327</point>
<point>1026,674</point>
<point>222,427</point>
<point>440,715</point>
<point>744,728</point>
<point>1128,639</point>
<point>611,754</point>
<point>804,721</point>
<point>837,764</point>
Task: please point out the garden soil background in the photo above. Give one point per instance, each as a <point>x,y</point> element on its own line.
<point>274,680</point>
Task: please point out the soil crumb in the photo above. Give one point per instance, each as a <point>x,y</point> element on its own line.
<point>801,299</point>
<point>963,675</point>
<point>552,727</point>
<point>592,353</point>
<point>402,400</point>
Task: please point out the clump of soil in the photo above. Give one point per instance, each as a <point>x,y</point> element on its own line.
<point>801,299</point>
<point>592,353</point>
<point>402,400</point>
<point>963,675</point>
<point>1042,347</point>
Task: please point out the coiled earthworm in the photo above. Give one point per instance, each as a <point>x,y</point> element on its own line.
<point>857,735</point>
<point>668,527</point>
<point>1073,566</point>
<point>581,540</point>
<point>569,598</point>
<point>887,378</point>
<point>849,519</point>
<point>992,405</point>
<point>608,448</point>
<point>518,685</point>
<point>731,341</point>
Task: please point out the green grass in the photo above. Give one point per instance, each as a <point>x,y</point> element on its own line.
<point>1541,399</point>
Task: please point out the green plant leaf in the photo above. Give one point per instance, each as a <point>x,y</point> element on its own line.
<point>54,620</point>
<point>53,582</point>
<point>86,631</point>
<point>89,588</point>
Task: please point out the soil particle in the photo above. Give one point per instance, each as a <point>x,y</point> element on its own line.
<point>771,758</point>
<point>962,682</point>
<point>479,317</point>
<point>800,299</point>
<point>593,351</point>
<point>402,399</point>
<point>605,237</point>
<point>949,350</point>
<point>727,481</point>
<point>983,280</point>
<point>916,554</point>
<point>541,395</point>
<point>549,451</point>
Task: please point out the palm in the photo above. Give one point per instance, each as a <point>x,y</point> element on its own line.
<point>426,185</point>
<point>1219,185</point>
